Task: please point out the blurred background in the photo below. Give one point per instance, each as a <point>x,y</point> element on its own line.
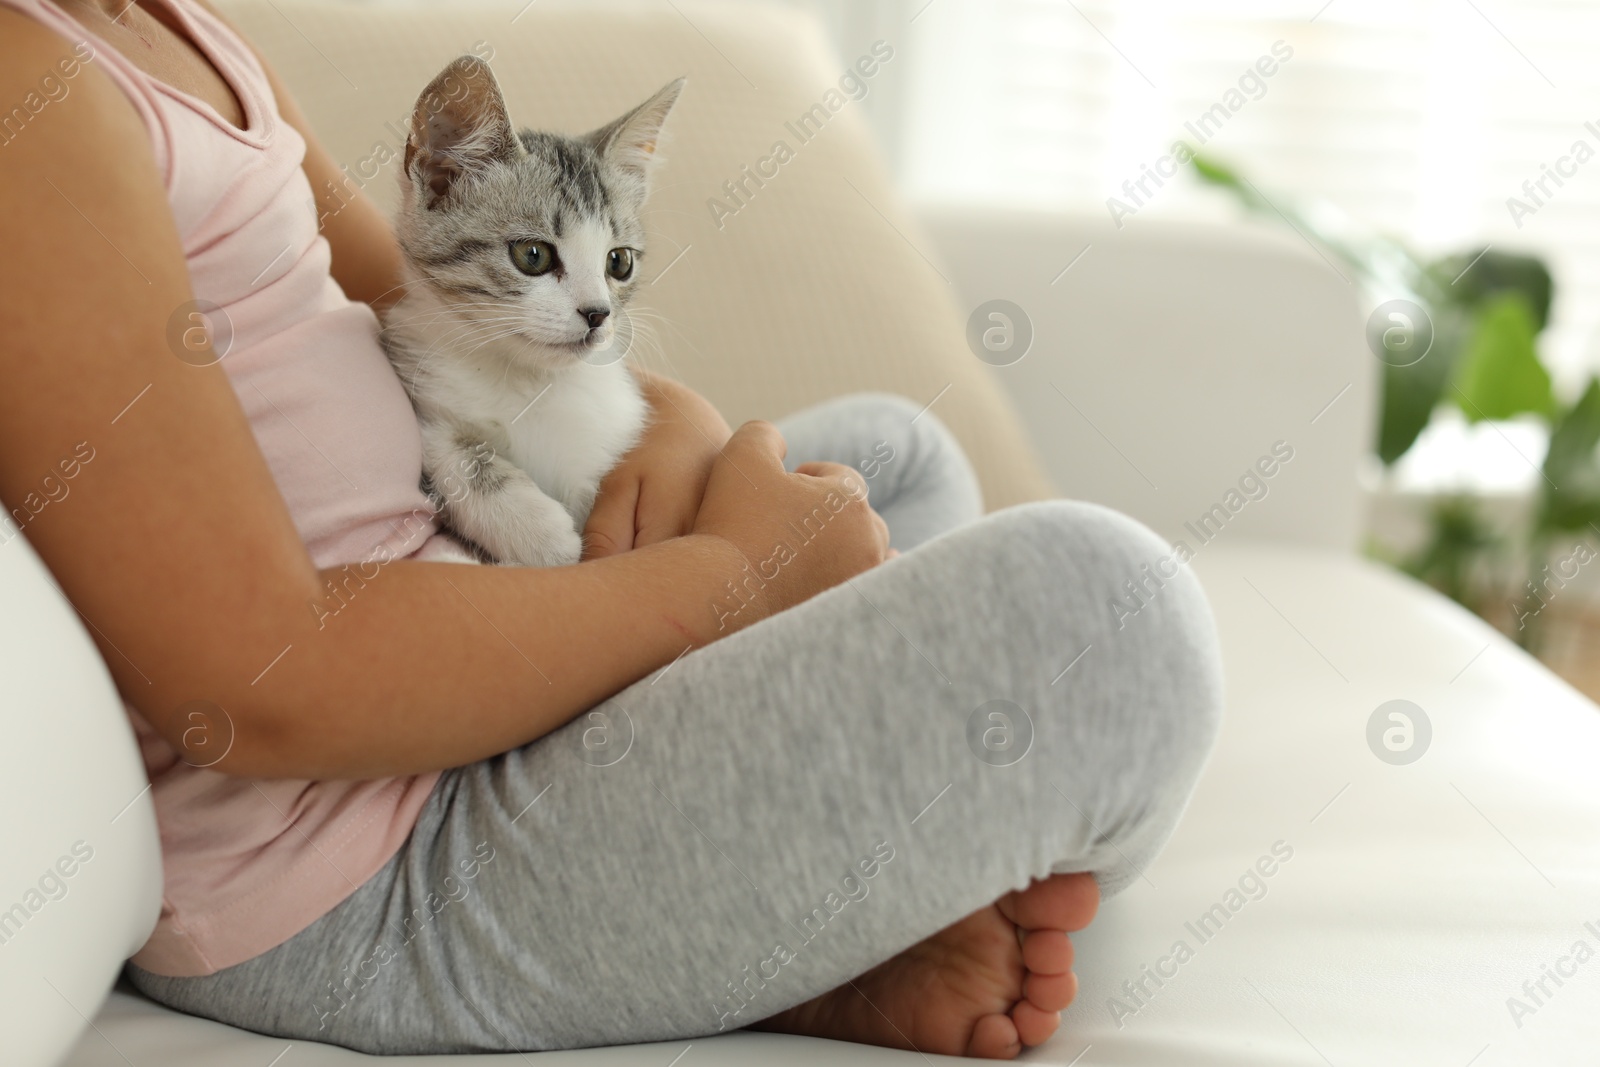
<point>1438,149</point>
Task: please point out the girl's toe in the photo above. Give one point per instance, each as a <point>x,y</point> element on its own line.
<point>1050,992</point>
<point>1034,1027</point>
<point>1047,952</point>
<point>1060,902</point>
<point>995,1037</point>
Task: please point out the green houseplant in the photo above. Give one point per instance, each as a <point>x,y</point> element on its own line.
<point>1484,310</point>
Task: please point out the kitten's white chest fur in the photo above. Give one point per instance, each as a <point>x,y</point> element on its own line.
<point>596,415</point>
<point>566,428</point>
<point>503,441</point>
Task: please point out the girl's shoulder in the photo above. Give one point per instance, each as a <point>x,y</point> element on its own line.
<point>54,76</point>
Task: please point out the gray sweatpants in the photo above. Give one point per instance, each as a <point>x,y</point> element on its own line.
<point>778,812</point>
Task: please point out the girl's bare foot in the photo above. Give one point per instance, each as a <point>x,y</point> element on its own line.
<point>976,988</point>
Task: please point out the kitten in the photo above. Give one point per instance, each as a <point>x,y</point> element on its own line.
<point>521,249</point>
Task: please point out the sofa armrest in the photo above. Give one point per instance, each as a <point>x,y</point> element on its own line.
<point>1169,359</point>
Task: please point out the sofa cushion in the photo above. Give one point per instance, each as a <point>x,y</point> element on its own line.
<point>1193,375</point>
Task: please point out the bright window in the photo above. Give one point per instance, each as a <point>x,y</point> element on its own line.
<point>1418,117</point>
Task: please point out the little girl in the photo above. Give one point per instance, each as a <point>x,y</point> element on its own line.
<point>413,805</point>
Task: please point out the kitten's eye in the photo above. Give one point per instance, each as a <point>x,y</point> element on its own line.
<point>620,264</point>
<point>533,257</point>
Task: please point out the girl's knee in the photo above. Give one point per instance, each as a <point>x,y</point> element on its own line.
<point>1084,553</point>
<point>1129,596</point>
<point>900,421</point>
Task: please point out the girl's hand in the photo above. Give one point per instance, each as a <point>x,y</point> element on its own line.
<point>654,494</point>
<point>799,534</point>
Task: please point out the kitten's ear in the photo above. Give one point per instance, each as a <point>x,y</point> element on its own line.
<point>630,142</point>
<point>460,123</point>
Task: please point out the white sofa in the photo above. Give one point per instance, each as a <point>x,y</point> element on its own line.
<point>1405,902</point>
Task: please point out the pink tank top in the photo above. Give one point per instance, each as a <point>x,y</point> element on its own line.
<point>249,864</point>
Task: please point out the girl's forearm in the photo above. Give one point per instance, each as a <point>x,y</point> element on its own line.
<point>500,657</point>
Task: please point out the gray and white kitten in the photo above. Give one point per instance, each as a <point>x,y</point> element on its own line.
<point>521,250</point>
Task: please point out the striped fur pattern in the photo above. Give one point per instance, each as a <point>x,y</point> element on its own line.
<point>507,336</point>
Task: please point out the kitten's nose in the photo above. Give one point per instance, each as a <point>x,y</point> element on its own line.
<point>595,317</point>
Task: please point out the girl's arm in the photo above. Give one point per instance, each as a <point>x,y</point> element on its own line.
<point>175,546</point>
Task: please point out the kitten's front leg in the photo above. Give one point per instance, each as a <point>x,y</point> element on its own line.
<point>493,502</point>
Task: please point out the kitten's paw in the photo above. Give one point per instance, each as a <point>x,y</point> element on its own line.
<point>560,548</point>
<point>519,526</point>
<point>545,540</point>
